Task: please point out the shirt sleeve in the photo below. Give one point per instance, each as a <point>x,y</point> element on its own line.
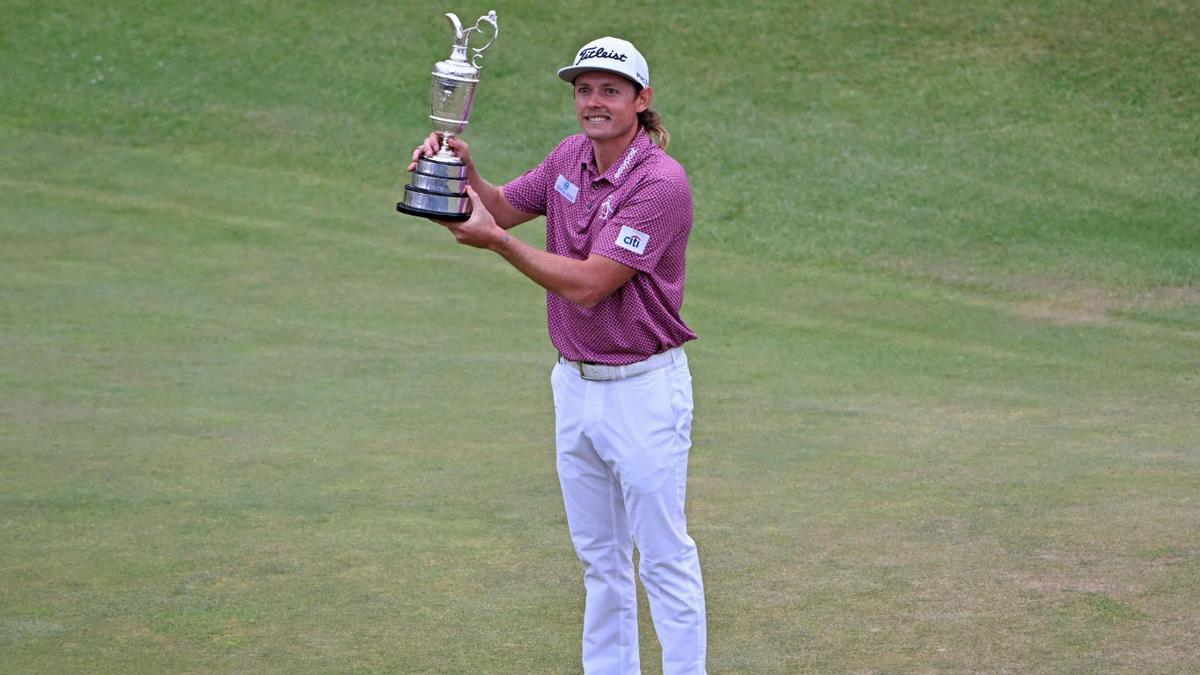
<point>641,227</point>
<point>528,192</point>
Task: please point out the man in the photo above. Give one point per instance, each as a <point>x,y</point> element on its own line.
<point>618,214</point>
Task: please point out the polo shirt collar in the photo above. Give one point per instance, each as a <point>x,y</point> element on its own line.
<point>635,154</point>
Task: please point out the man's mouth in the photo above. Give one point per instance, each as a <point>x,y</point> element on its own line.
<point>596,119</point>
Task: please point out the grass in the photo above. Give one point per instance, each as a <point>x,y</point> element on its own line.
<point>946,273</point>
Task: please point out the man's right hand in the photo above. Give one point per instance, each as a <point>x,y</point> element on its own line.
<point>433,144</point>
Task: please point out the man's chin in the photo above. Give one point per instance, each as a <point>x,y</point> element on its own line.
<point>597,133</point>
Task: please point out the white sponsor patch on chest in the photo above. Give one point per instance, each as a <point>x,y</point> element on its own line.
<point>632,240</point>
<point>566,188</point>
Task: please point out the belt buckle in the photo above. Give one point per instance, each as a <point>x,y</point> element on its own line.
<point>579,365</point>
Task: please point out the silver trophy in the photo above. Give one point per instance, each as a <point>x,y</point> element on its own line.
<point>438,187</point>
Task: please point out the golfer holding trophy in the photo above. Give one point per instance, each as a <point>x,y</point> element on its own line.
<point>618,215</point>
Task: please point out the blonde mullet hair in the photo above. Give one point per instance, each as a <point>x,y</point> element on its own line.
<point>652,122</point>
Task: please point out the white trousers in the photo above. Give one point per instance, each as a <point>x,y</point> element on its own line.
<point>622,449</point>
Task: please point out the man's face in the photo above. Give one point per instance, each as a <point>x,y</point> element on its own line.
<point>607,105</point>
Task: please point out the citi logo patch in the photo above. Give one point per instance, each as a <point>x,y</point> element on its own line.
<point>632,240</point>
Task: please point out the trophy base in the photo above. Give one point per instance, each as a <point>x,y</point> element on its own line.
<point>438,189</point>
<point>455,207</point>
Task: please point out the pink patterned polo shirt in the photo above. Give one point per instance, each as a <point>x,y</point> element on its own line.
<point>638,213</point>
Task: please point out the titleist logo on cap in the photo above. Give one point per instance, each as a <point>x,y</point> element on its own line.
<point>599,53</point>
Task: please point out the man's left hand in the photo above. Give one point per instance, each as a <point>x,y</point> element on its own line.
<point>480,230</point>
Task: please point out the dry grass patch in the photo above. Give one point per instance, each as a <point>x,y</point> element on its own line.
<point>1074,303</point>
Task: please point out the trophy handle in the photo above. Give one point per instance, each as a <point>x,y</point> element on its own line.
<point>460,36</point>
<point>489,18</point>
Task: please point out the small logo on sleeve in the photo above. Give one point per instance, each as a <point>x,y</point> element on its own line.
<point>632,240</point>
<point>566,188</point>
<point>606,208</point>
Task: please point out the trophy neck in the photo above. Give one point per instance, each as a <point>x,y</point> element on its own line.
<point>446,155</point>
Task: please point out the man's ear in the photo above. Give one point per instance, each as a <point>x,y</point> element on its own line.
<point>643,99</point>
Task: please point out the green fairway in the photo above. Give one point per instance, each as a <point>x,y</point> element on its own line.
<point>945,271</point>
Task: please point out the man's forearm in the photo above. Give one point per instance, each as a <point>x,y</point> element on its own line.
<point>560,275</point>
<point>583,282</point>
<point>493,198</point>
<point>488,193</point>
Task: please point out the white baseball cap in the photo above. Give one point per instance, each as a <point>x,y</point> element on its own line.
<point>609,54</point>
